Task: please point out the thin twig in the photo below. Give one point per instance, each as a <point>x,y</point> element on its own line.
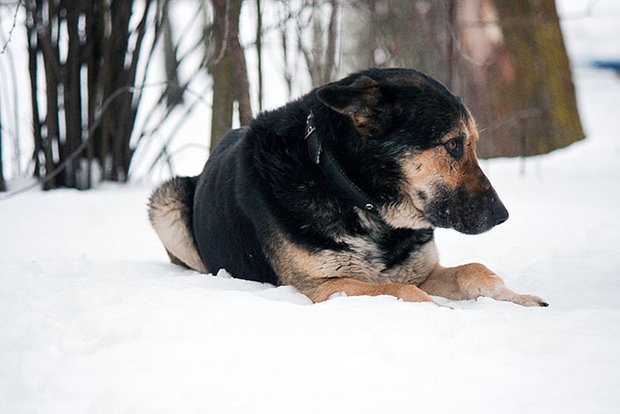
<point>10,35</point>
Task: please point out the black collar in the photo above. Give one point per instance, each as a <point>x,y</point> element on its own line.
<point>324,158</point>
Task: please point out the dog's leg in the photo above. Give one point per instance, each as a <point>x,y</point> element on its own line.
<point>170,210</point>
<point>471,281</point>
<point>352,287</point>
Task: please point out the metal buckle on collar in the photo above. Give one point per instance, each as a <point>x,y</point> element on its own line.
<point>310,128</point>
<point>315,146</point>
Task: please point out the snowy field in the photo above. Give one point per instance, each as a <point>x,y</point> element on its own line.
<point>94,320</point>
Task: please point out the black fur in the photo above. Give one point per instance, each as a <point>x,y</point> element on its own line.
<point>397,245</point>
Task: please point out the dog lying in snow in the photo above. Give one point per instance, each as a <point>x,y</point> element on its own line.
<point>340,191</point>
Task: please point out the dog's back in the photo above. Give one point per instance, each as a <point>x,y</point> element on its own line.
<point>228,205</point>
<point>226,238</point>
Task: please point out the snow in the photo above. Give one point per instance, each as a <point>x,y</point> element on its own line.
<point>94,320</point>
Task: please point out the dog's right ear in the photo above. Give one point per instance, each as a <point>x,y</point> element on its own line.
<point>359,101</point>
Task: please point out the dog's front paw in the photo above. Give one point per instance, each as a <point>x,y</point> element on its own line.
<point>528,300</point>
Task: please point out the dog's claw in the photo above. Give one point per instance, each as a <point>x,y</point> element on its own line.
<point>525,300</point>
<point>529,300</point>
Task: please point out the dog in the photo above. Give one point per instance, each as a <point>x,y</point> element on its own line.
<point>340,192</point>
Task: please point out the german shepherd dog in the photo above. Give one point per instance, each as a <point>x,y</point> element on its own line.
<point>340,191</point>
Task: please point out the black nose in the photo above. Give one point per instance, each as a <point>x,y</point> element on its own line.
<point>499,213</point>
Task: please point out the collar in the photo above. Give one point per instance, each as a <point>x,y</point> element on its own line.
<point>324,158</point>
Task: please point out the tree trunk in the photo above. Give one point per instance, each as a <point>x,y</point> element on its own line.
<point>524,97</point>
<point>230,79</point>
<point>114,79</point>
<point>34,87</point>
<point>259,53</point>
<point>408,33</point>
<point>174,91</point>
<point>506,59</point>
<point>99,47</point>
<point>51,64</point>
<point>72,99</point>
<point>320,56</point>
<point>2,185</point>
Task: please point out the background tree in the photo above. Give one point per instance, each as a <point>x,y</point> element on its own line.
<point>229,70</point>
<point>9,98</point>
<point>2,185</point>
<point>321,55</point>
<point>83,59</point>
<point>507,60</point>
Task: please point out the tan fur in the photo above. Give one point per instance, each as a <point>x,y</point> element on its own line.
<point>435,165</point>
<point>315,274</point>
<point>353,287</point>
<point>471,281</point>
<point>172,229</point>
<point>424,171</point>
<point>405,214</point>
<point>320,275</point>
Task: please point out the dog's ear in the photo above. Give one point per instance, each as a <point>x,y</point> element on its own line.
<point>362,101</point>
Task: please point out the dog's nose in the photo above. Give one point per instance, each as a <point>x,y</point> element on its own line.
<point>499,213</point>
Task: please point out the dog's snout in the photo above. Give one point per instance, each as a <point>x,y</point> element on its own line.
<point>496,212</point>
<point>499,213</point>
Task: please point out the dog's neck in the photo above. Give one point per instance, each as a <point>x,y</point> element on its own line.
<point>322,156</point>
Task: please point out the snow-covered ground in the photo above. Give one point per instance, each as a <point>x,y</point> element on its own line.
<point>94,320</point>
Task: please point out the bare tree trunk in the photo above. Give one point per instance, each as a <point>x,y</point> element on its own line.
<point>241,84</point>
<point>34,87</point>
<point>223,95</point>
<point>174,91</point>
<point>320,57</point>
<point>506,59</point>
<point>72,98</point>
<point>288,75</point>
<point>113,78</point>
<point>373,35</point>
<point>2,185</point>
<point>93,50</point>
<point>409,33</point>
<point>52,77</point>
<point>230,79</point>
<point>525,98</point>
<point>332,37</point>
<point>259,53</point>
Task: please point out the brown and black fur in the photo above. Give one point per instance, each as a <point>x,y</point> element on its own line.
<point>268,206</point>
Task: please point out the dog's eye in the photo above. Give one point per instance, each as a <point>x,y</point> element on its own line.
<point>455,147</point>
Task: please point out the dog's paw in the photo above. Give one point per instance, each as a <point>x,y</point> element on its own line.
<point>528,300</point>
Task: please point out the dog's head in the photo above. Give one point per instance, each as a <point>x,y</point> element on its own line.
<point>426,140</point>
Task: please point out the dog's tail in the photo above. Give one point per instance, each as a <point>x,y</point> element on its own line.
<point>170,213</point>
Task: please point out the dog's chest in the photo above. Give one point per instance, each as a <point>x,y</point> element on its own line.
<point>374,262</point>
